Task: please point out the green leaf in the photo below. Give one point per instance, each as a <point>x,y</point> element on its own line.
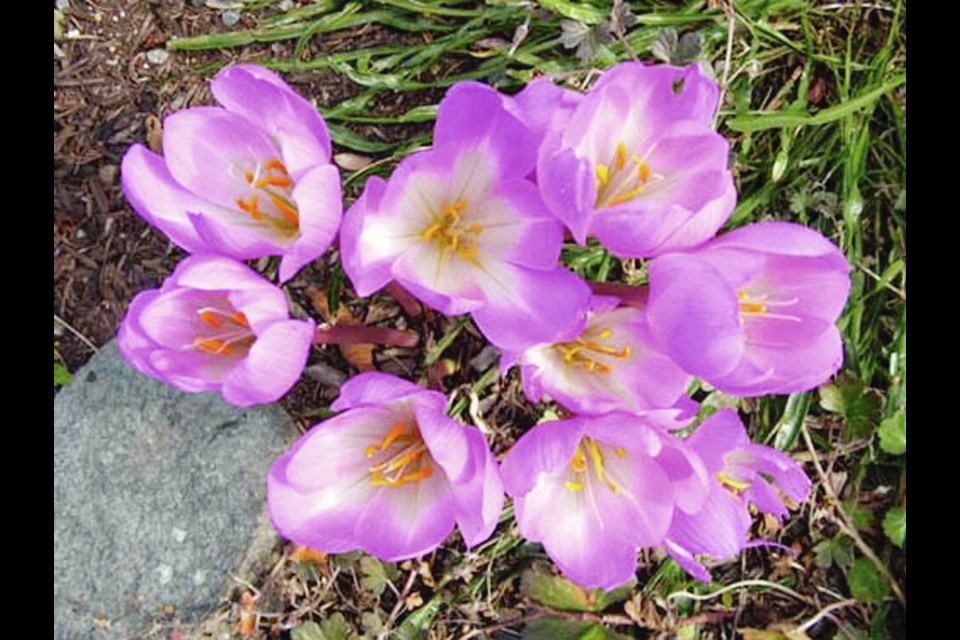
<point>575,10</point>
<point>859,405</point>
<point>790,422</point>
<point>307,631</point>
<point>416,625</point>
<point>861,516</point>
<point>374,575</point>
<point>893,434</point>
<point>553,628</point>
<point>61,375</point>
<point>835,551</point>
<point>866,582</point>
<point>560,593</point>
<point>346,138</point>
<point>895,525</point>
<point>336,627</point>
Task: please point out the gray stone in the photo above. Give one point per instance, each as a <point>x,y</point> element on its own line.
<point>159,498</point>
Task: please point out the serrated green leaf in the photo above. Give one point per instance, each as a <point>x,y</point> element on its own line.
<point>866,582</point>
<point>374,575</point>
<point>560,593</point>
<point>895,525</point>
<point>835,551</point>
<point>61,375</point>
<point>307,631</point>
<point>371,623</point>
<point>859,405</point>
<point>553,628</point>
<point>893,434</point>
<point>336,627</point>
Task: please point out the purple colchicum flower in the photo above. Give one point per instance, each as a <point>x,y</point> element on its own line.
<point>462,230</point>
<point>250,179</point>
<point>215,325</point>
<point>593,490</point>
<point>639,165</point>
<point>753,311</point>
<point>391,475</point>
<point>608,361</point>
<point>739,472</point>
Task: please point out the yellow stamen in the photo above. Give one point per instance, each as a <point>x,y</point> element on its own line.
<point>626,197</point>
<point>606,334</point>
<point>406,459</point>
<point>574,486</point>
<point>393,435</point>
<point>612,486</point>
<point>579,461</point>
<point>597,459</point>
<point>733,483</point>
<point>370,451</point>
<point>603,175</point>
<point>210,318</point>
<point>378,480</point>
<point>431,231</point>
<point>621,155</point>
<point>621,452</point>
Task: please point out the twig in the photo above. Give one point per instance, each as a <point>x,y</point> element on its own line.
<point>900,293</point>
<point>737,585</point>
<point>84,339</point>
<point>397,608</point>
<point>727,59</point>
<point>826,612</point>
<point>844,523</point>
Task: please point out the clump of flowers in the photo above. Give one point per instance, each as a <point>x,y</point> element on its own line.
<point>475,225</point>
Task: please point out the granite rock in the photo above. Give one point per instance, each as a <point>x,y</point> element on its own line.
<point>159,497</point>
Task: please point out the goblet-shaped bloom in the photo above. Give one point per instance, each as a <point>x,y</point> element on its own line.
<point>215,325</point>
<point>247,180</point>
<point>461,228</point>
<point>639,165</point>
<point>740,472</point>
<point>753,311</point>
<point>594,489</point>
<point>391,475</point>
<point>608,361</point>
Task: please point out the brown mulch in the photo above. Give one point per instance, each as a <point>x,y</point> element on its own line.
<point>114,82</point>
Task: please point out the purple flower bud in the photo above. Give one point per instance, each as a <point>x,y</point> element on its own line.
<point>391,475</point>
<point>250,179</point>
<point>215,325</point>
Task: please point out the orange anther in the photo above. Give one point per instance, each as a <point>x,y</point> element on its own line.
<point>215,346</point>
<point>240,319</point>
<point>752,307</point>
<point>643,172</point>
<point>275,164</point>
<point>210,318</point>
<point>249,176</point>
<point>273,181</point>
<point>286,209</point>
<point>393,435</point>
<point>251,206</point>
